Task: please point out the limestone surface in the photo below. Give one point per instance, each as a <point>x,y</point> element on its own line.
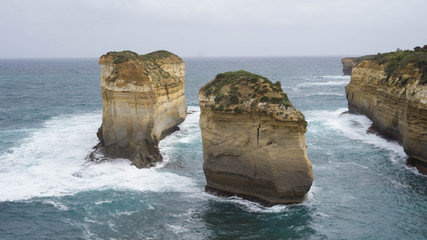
<point>253,140</point>
<point>143,99</point>
<point>391,89</point>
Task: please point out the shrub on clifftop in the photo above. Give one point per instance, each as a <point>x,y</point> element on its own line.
<point>240,89</point>
<point>398,60</point>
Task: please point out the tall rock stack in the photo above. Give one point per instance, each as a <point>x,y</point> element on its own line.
<point>143,99</point>
<point>347,65</point>
<point>253,140</point>
<point>391,89</point>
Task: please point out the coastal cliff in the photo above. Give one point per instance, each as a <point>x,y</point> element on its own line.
<point>253,140</point>
<point>391,89</point>
<point>143,100</point>
<point>347,65</point>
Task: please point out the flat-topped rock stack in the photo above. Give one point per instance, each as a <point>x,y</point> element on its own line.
<point>253,140</point>
<point>143,100</point>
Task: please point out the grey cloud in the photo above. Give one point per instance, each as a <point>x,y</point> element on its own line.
<point>66,28</point>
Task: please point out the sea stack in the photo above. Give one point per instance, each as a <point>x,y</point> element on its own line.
<point>391,89</point>
<point>253,140</point>
<point>143,100</point>
<point>347,65</point>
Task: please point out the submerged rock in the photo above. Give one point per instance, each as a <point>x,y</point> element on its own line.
<point>253,140</point>
<point>143,100</point>
<point>391,89</point>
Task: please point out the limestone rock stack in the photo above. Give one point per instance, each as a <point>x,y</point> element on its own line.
<point>347,65</point>
<point>143,99</point>
<point>391,89</point>
<point>253,140</point>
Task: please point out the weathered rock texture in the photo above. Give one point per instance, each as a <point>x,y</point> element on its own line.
<point>253,140</point>
<point>347,65</point>
<point>391,90</point>
<point>143,98</point>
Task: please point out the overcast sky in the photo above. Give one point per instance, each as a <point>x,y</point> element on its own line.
<point>90,28</point>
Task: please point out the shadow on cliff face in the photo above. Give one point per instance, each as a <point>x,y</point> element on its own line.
<point>246,220</point>
<point>420,166</point>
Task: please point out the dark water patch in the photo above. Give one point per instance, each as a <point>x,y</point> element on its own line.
<point>34,220</point>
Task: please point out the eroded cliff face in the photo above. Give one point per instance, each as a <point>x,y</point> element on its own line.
<point>347,65</point>
<point>396,102</point>
<point>143,99</point>
<point>253,140</point>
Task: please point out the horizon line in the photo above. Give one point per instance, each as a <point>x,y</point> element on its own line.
<point>271,56</point>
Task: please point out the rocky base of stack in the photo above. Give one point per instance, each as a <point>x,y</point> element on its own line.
<point>141,157</point>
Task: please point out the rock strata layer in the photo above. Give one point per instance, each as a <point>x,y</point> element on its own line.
<point>253,140</point>
<point>391,89</point>
<point>143,99</point>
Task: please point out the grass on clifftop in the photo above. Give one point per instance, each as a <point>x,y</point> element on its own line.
<point>398,60</point>
<point>157,55</point>
<point>123,56</point>
<point>235,88</point>
<point>151,62</point>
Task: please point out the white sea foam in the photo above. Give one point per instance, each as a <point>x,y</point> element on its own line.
<point>102,202</point>
<point>176,229</point>
<point>353,126</point>
<point>356,127</point>
<point>325,83</point>
<point>189,131</point>
<point>51,162</point>
<point>58,205</point>
<point>255,207</point>
<point>326,94</point>
<point>252,206</point>
<point>336,77</point>
<point>398,184</point>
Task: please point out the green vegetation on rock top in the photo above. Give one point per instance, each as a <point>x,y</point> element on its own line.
<point>233,89</point>
<point>123,56</point>
<point>234,78</point>
<point>151,62</point>
<point>158,55</point>
<point>398,60</point>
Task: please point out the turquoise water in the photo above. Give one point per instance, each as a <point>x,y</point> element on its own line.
<point>49,114</point>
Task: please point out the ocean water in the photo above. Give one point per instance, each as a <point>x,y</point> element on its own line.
<point>50,111</point>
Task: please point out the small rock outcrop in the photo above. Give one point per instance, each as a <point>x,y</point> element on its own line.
<point>347,65</point>
<point>391,89</point>
<point>143,100</point>
<point>253,140</point>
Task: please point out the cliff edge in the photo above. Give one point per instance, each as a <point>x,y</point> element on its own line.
<point>253,140</point>
<point>143,99</point>
<point>391,89</point>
